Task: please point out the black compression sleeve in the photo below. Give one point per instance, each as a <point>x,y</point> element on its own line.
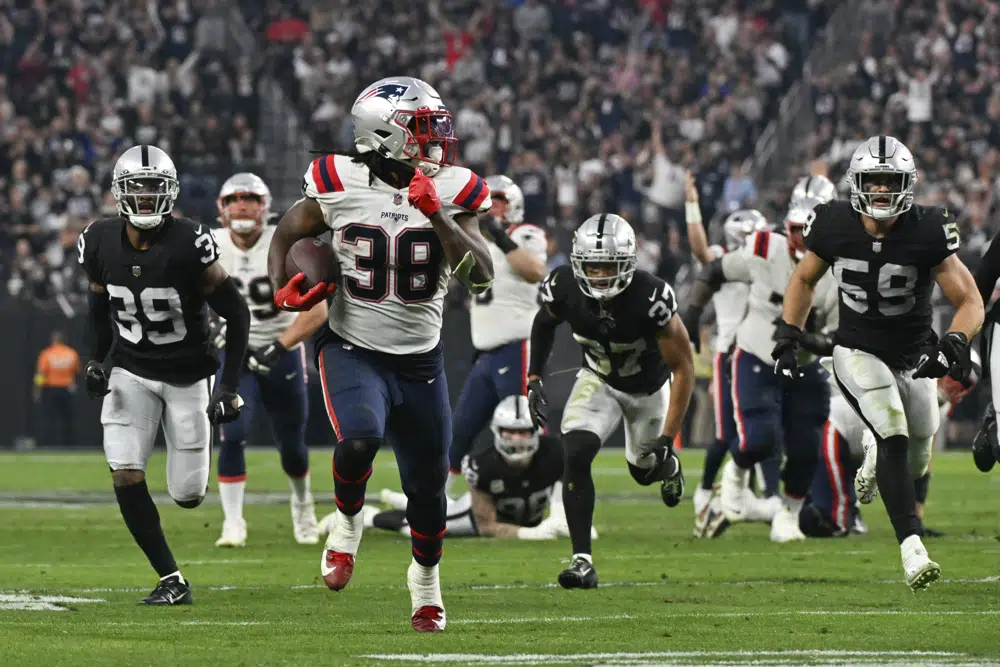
<point>989,270</point>
<point>99,324</point>
<point>229,304</point>
<point>543,337</point>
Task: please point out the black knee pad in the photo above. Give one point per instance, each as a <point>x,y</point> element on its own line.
<point>352,459</point>
<point>893,446</point>
<point>580,448</point>
<point>745,459</point>
<point>814,522</point>
<point>190,504</point>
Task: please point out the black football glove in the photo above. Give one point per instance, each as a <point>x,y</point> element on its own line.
<point>263,359</point>
<point>538,404</point>
<point>786,351</point>
<point>96,379</point>
<point>948,357</point>
<point>691,319</point>
<point>225,406</point>
<point>217,332</point>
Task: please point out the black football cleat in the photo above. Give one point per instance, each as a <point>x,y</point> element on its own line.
<point>672,489</point>
<point>985,445</point>
<point>930,532</point>
<point>170,591</point>
<point>579,574</point>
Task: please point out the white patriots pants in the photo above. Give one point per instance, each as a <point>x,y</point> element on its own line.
<point>598,408</point>
<point>134,411</point>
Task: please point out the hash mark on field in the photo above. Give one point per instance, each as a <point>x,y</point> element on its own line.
<point>217,561</point>
<point>540,619</point>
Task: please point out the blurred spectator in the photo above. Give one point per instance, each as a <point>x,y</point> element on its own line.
<point>55,382</point>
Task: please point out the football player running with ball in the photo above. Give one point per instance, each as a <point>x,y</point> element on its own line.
<point>151,274</point>
<point>638,366</point>
<point>380,356</point>
<point>500,317</point>
<point>275,374</point>
<point>886,255</point>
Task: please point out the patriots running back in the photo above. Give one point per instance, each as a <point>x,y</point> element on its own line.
<point>403,220</point>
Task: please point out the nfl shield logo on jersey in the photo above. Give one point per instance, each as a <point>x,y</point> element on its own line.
<point>397,199</point>
<point>136,270</point>
<point>877,246</point>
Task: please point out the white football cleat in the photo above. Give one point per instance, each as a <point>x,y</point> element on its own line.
<point>234,534</point>
<point>427,609</point>
<point>785,526</point>
<point>304,524</point>
<point>731,491</point>
<point>919,569</point>
<point>865,482</point>
<point>762,509</point>
<point>393,499</point>
<point>337,561</point>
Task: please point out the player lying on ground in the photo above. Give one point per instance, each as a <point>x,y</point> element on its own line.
<point>152,273</point>
<point>380,355</point>
<point>637,366</point>
<point>768,411</point>
<point>274,377</point>
<point>886,255</point>
<point>512,484</point>
<point>500,318</point>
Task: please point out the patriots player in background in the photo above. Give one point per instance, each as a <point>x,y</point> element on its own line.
<point>886,255</point>
<point>151,274</point>
<point>275,374</point>
<point>730,304</point>
<point>637,366</point>
<point>500,317</point>
<point>380,356</point>
<point>511,484</point>
<point>831,510</point>
<point>768,412</point>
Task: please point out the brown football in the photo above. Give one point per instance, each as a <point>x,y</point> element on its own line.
<point>315,259</point>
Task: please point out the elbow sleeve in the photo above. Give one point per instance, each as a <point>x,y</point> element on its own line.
<point>99,324</point>
<point>543,337</point>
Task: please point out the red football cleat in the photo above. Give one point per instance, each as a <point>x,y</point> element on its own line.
<point>428,619</point>
<point>337,568</point>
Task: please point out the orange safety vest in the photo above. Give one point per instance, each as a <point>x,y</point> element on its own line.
<point>58,366</point>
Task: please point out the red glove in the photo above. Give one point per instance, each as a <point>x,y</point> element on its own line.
<point>423,195</point>
<point>291,298</point>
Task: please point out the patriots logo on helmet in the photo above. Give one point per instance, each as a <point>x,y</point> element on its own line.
<point>390,91</point>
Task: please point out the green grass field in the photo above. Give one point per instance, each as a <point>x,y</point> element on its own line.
<point>665,597</point>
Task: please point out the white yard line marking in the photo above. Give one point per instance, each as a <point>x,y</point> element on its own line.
<point>538,619</point>
<point>619,658</point>
<point>31,602</point>
<point>218,561</point>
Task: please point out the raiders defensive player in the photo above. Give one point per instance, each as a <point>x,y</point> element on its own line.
<point>403,220</point>
<point>275,375</point>
<point>500,317</point>
<point>511,485</point>
<point>886,255</point>
<point>624,320</point>
<point>151,274</point>
<point>986,445</point>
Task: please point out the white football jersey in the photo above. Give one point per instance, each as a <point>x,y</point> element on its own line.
<point>504,313</point>
<point>730,305</point>
<point>766,263</point>
<point>395,274</point>
<point>248,268</point>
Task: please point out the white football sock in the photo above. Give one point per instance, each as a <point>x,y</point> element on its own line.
<point>586,557</point>
<point>175,574</point>
<point>794,505</point>
<point>300,488</point>
<point>231,494</point>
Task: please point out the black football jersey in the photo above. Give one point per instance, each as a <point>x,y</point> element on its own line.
<point>159,314</point>
<point>618,337</point>
<point>520,496</point>
<point>885,284</point>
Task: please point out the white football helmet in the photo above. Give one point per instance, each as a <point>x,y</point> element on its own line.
<point>819,188</point>
<point>244,183</point>
<point>604,239</point>
<point>882,161</point>
<point>404,119</point>
<point>144,185</point>
<point>809,192</point>
<point>512,414</point>
<point>503,188</point>
<point>741,224</point>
